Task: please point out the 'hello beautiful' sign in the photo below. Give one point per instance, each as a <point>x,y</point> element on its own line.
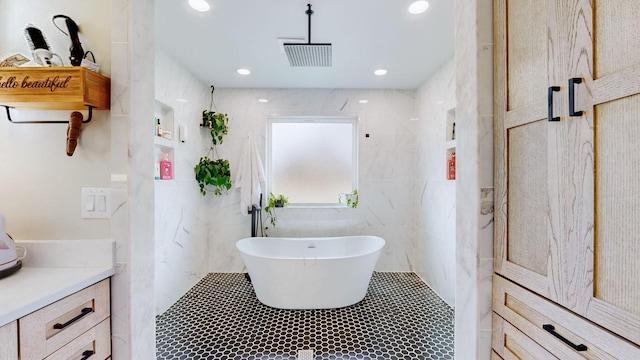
<point>60,87</point>
<point>27,82</point>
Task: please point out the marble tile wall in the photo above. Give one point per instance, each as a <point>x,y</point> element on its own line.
<point>132,221</point>
<point>141,185</point>
<point>436,257</point>
<point>387,184</point>
<point>474,185</point>
<point>120,93</point>
<point>181,230</point>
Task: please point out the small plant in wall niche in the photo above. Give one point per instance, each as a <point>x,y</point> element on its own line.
<point>272,203</point>
<point>212,173</point>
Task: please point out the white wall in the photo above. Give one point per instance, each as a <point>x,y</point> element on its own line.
<point>436,256</point>
<point>40,186</point>
<point>181,213</point>
<point>387,171</point>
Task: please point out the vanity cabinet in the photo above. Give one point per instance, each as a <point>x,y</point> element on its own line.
<point>75,327</point>
<point>9,341</point>
<point>567,120</point>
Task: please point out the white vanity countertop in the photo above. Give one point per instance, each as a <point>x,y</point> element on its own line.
<point>52,270</point>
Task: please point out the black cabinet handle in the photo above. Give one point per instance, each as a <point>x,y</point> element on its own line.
<point>84,312</point>
<point>572,98</point>
<point>552,89</point>
<point>551,329</point>
<point>87,354</point>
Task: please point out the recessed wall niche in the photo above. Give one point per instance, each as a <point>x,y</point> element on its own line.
<point>450,139</point>
<point>164,138</point>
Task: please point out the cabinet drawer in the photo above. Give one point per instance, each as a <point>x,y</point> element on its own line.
<point>510,343</point>
<point>93,344</point>
<point>566,332</point>
<point>48,329</point>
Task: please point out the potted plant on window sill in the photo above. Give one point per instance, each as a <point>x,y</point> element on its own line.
<point>351,198</point>
<point>272,203</point>
<point>212,173</point>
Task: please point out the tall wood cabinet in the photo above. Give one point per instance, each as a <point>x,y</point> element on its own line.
<point>567,172</point>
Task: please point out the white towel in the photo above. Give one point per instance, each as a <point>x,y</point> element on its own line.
<point>249,175</point>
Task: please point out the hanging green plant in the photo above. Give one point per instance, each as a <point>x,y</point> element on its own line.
<point>212,173</point>
<point>217,123</point>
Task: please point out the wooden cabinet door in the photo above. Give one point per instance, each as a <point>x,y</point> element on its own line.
<point>568,191</point>
<point>9,341</point>
<point>521,246</point>
<point>571,157</point>
<point>611,95</point>
<point>544,158</point>
<point>544,169</point>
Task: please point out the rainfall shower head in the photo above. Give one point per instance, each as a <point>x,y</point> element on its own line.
<point>308,54</point>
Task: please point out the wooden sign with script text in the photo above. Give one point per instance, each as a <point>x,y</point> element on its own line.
<point>54,88</point>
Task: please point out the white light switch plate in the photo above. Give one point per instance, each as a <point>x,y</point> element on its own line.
<point>96,203</point>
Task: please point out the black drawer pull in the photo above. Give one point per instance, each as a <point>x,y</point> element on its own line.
<point>552,89</point>
<point>87,354</point>
<point>84,312</point>
<point>550,328</point>
<point>572,97</point>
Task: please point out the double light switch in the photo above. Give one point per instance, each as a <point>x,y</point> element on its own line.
<point>96,203</point>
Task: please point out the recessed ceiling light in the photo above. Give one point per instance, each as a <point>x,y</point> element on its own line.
<point>263,100</point>
<point>363,101</point>
<point>199,5</point>
<point>418,7</point>
<point>414,119</point>
<point>380,72</point>
<point>244,71</point>
<point>440,102</point>
<point>182,100</point>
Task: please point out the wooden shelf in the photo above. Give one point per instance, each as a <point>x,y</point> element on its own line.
<point>54,88</point>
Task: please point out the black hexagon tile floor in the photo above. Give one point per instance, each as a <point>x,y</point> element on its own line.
<point>220,318</point>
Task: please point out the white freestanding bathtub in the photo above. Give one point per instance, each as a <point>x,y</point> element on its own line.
<point>310,273</point>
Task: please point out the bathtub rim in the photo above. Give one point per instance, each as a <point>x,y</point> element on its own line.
<point>379,244</point>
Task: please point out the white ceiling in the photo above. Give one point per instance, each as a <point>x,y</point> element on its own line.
<point>365,35</point>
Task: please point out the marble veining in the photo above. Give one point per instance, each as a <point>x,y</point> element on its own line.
<point>387,162</point>
<point>474,89</point>
<point>435,247</point>
<point>181,213</point>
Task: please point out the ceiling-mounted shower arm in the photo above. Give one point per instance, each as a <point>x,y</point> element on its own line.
<point>308,54</point>
<point>309,12</point>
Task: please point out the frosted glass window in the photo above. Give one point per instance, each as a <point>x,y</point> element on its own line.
<point>312,160</point>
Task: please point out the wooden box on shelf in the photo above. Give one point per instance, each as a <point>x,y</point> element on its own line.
<point>54,88</point>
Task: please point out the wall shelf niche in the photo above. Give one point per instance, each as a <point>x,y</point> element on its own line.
<point>450,138</point>
<point>165,144</point>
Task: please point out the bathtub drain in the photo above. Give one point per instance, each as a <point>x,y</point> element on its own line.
<point>305,355</point>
